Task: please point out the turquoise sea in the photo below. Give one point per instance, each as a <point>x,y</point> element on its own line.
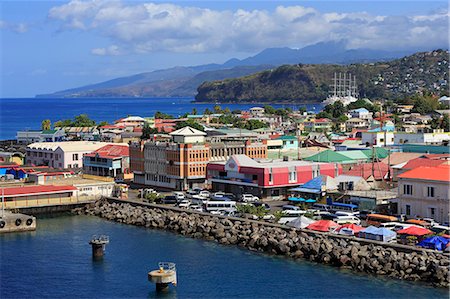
<point>55,262</point>
<point>27,114</point>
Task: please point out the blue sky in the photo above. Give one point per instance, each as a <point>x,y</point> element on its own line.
<point>53,45</point>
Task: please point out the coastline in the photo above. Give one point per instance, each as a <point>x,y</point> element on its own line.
<point>359,255</point>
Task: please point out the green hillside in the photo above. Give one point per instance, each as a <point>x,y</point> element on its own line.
<point>312,82</point>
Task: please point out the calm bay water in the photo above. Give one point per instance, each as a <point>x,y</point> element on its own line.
<point>21,114</point>
<point>55,262</point>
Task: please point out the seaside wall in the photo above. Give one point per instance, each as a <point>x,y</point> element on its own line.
<point>396,261</point>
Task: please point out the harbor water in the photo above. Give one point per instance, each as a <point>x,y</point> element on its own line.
<point>27,114</point>
<point>55,262</point>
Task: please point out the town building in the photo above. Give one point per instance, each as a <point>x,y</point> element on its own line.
<point>110,160</point>
<point>82,133</point>
<point>361,113</point>
<point>68,154</point>
<point>27,137</point>
<point>288,142</point>
<point>318,125</point>
<point>356,123</point>
<point>379,138</point>
<point>180,163</point>
<point>130,121</point>
<point>257,111</point>
<point>269,180</point>
<point>424,192</point>
<point>436,137</point>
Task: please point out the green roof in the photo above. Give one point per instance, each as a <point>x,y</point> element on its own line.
<point>286,137</point>
<point>329,156</point>
<point>378,152</point>
<point>354,155</point>
<point>49,131</point>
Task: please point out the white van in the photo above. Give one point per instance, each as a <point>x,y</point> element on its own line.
<point>216,205</point>
<point>290,208</point>
<point>321,207</point>
<point>347,219</point>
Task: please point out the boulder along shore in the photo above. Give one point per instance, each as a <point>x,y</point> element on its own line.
<point>396,261</point>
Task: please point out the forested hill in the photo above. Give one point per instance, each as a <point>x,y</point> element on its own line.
<point>312,82</point>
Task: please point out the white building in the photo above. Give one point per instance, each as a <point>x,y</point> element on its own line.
<point>437,137</point>
<point>361,113</point>
<point>67,154</point>
<point>257,111</point>
<point>188,135</point>
<point>425,192</point>
<point>377,138</point>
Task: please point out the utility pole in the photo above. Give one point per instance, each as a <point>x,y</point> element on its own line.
<point>3,202</point>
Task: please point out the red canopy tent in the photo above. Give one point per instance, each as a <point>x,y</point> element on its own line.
<point>352,226</point>
<point>415,231</point>
<point>322,225</point>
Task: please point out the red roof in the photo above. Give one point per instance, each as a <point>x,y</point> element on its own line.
<point>415,231</point>
<point>112,127</point>
<point>352,226</point>
<point>419,162</point>
<point>322,225</point>
<point>34,190</point>
<point>111,151</point>
<point>322,120</point>
<point>439,173</point>
<point>364,170</point>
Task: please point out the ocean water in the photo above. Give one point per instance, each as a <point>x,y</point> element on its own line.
<point>55,262</point>
<point>27,114</point>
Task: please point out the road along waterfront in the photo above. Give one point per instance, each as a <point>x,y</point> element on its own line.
<point>55,262</point>
<point>393,260</point>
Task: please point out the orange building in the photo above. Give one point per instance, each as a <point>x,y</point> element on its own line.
<point>181,162</point>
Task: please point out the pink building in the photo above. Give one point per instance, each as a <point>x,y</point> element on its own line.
<point>267,180</point>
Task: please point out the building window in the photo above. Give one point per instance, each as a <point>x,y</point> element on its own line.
<point>292,175</point>
<point>432,212</point>
<point>75,157</point>
<point>430,191</point>
<point>408,210</point>
<point>407,189</point>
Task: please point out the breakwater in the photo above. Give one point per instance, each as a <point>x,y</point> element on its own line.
<point>399,262</point>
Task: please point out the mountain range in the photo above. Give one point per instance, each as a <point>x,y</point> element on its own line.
<point>184,81</point>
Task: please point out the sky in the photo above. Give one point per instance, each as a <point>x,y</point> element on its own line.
<point>47,46</point>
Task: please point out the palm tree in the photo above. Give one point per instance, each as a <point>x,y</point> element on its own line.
<point>46,124</point>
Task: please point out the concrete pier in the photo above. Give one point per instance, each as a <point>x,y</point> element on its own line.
<point>98,246</point>
<point>165,275</point>
<point>16,222</point>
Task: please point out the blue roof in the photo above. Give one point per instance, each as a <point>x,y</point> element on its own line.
<point>435,242</point>
<point>298,199</point>
<point>345,205</point>
<point>316,183</point>
<point>305,190</point>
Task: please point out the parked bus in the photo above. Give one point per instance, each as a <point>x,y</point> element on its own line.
<point>377,219</point>
<point>345,207</point>
<point>215,205</point>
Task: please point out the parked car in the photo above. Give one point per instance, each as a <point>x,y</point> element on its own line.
<point>363,214</point>
<point>321,207</point>
<point>268,217</point>
<point>179,195</point>
<point>441,229</point>
<point>170,199</point>
<point>259,204</point>
<point>249,198</point>
<point>291,208</point>
<point>196,208</point>
<point>204,194</point>
<point>184,203</point>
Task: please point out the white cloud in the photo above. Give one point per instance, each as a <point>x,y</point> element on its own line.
<point>147,27</point>
<point>14,27</point>
<point>112,50</point>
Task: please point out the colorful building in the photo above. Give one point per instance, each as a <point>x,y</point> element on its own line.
<point>268,180</point>
<point>110,160</point>
<point>425,192</point>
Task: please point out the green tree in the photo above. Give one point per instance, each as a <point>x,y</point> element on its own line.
<point>207,112</point>
<point>161,115</point>
<point>217,109</point>
<point>227,110</point>
<point>425,104</point>
<point>194,111</point>
<point>191,123</point>
<point>46,124</point>
<point>103,123</point>
<point>253,124</point>
<point>269,110</point>
<point>147,131</point>
<point>83,120</point>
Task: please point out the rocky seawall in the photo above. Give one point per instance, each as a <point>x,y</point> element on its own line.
<point>346,252</point>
